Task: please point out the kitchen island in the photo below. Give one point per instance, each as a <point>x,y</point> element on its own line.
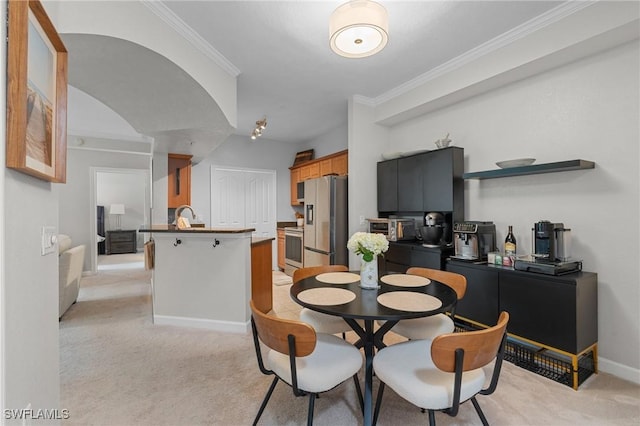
<point>202,277</point>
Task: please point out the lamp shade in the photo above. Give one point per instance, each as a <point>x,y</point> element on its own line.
<point>359,28</point>
<point>116,209</point>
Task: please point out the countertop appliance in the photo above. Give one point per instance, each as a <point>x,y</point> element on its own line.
<point>395,229</point>
<point>325,221</point>
<point>530,263</point>
<point>473,240</point>
<point>293,249</point>
<point>551,241</point>
<point>434,230</point>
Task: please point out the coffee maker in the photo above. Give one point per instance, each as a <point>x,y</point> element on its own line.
<point>551,241</point>
<point>473,240</point>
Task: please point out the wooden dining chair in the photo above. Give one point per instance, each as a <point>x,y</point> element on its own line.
<point>308,362</point>
<point>432,326</point>
<point>441,374</point>
<point>321,323</point>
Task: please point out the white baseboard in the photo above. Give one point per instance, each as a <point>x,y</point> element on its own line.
<point>621,371</point>
<point>216,325</point>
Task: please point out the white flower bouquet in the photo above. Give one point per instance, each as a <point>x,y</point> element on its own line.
<point>368,245</point>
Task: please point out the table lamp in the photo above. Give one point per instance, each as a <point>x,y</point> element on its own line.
<point>117,210</point>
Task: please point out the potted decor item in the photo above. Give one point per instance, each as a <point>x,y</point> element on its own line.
<point>368,247</point>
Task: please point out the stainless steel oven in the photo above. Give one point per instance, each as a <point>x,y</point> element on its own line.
<point>293,249</point>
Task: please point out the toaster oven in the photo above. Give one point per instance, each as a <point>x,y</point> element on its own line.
<point>394,229</point>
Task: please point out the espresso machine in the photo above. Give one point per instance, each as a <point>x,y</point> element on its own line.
<point>473,240</point>
<point>551,250</point>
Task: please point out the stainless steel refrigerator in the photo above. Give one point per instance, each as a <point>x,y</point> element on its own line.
<point>325,221</point>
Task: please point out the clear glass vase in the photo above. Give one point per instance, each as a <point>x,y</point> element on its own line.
<point>369,274</point>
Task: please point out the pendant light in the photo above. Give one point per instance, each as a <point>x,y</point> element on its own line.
<point>359,28</point>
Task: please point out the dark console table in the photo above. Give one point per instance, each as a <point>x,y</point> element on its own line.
<point>548,313</point>
<point>121,241</point>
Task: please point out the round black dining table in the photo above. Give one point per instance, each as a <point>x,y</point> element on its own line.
<point>366,309</point>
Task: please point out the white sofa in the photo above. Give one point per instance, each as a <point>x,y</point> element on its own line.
<point>70,264</point>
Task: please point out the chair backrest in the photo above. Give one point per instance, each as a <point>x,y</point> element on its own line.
<point>274,332</point>
<point>302,273</point>
<point>480,347</point>
<point>457,282</point>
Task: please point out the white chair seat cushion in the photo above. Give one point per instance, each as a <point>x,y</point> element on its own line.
<point>408,369</point>
<point>424,328</point>
<point>332,362</point>
<point>323,323</point>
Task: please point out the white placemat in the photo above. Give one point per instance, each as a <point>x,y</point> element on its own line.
<point>338,277</point>
<point>404,280</point>
<point>409,301</point>
<point>326,296</point>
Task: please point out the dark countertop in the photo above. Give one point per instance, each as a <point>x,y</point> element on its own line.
<point>260,240</point>
<point>197,230</point>
<point>417,243</point>
<point>282,225</point>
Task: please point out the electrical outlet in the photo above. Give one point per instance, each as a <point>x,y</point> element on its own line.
<point>49,240</point>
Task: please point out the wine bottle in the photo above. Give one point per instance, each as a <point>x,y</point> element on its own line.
<point>510,243</point>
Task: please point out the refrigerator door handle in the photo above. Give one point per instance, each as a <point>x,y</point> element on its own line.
<point>315,250</point>
<point>309,214</point>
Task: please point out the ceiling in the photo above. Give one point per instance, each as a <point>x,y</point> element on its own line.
<point>287,71</point>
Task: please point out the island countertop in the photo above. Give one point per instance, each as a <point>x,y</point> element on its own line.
<point>200,230</point>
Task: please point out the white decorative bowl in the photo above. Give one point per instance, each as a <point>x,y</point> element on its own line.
<point>519,162</point>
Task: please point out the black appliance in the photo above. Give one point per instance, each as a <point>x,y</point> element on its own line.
<point>436,231</point>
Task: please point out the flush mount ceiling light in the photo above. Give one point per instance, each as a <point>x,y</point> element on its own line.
<point>260,126</point>
<point>359,28</point>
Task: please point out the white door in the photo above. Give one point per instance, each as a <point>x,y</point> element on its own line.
<point>247,199</point>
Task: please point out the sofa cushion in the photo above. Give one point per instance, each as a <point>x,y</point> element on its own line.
<point>64,243</point>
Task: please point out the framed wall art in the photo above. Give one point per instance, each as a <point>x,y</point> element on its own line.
<point>36,93</point>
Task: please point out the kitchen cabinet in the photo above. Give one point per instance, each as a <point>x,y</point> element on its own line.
<point>481,302</point>
<point>179,180</point>
<point>557,312</point>
<point>430,181</point>
<point>402,255</point>
<point>333,164</point>
<point>388,186</point>
<point>295,178</point>
<point>281,249</point>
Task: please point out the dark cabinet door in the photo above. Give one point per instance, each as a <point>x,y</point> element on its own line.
<point>426,258</point>
<point>540,310</point>
<point>442,185</point>
<point>388,186</point>
<point>481,302</point>
<point>410,171</point>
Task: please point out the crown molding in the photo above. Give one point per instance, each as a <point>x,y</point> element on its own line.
<point>189,34</point>
<point>551,16</point>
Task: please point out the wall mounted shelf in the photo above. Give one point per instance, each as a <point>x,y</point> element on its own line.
<point>561,166</point>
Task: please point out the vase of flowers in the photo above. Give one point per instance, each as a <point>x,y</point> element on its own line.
<point>368,247</point>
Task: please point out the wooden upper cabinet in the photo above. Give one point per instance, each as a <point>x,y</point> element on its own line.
<point>179,180</point>
<point>331,164</point>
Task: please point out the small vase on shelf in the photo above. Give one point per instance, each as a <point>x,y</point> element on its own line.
<point>369,274</point>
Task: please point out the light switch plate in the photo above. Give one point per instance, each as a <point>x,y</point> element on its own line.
<point>49,240</point>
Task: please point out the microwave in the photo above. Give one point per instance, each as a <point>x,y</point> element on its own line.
<point>300,192</point>
<point>393,229</point>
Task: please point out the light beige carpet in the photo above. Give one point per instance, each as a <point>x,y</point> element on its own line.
<point>117,368</point>
<point>280,278</point>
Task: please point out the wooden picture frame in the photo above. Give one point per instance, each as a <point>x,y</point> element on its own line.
<point>36,93</point>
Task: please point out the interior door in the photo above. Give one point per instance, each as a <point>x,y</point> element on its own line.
<point>243,198</point>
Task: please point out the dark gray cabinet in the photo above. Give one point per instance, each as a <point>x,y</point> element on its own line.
<point>401,256</point>
<point>560,312</point>
<point>121,241</point>
<point>431,181</point>
<point>388,186</point>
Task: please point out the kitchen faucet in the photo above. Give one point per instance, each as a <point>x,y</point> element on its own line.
<point>182,222</point>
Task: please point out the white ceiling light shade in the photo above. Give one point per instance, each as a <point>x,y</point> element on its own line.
<point>359,28</point>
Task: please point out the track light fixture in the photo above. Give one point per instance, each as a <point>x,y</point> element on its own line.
<point>260,126</point>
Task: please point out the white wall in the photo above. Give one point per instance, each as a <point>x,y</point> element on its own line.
<point>585,110</point>
<point>333,141</point>
<point>240,151</point>
<point>76,210</point>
